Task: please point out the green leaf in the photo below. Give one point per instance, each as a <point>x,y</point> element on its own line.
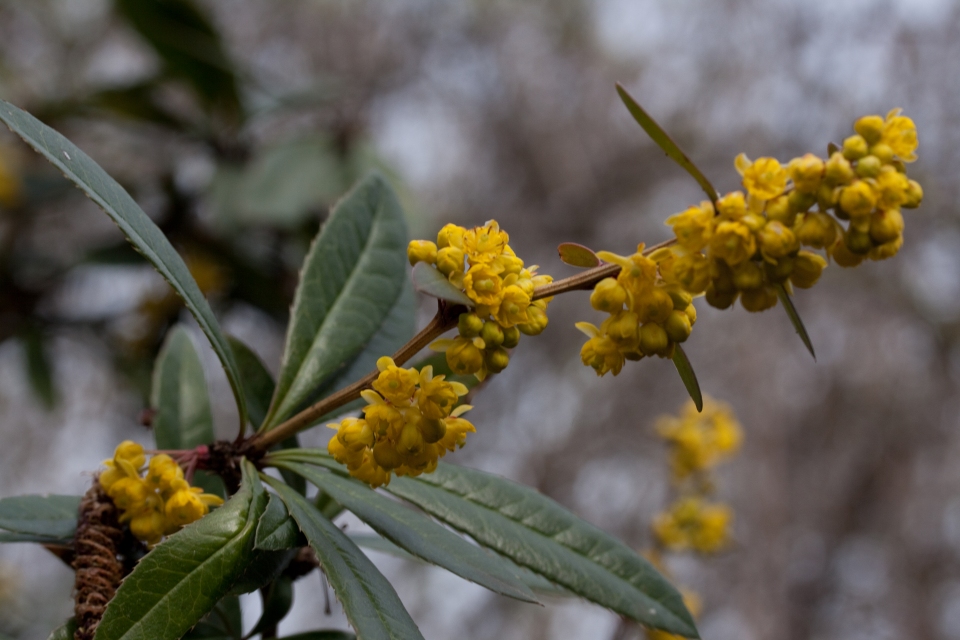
<point>224,622</point>
<point>537,533</point>
<point>25,537</point>
<point>351,279</point>
<point>39,369</point>
<point>277,531</point>
<point>190,49</point>
<point>277,601</point>
<point>257,382</point>
<point>426,279</point>
<point>418,535</point>
<point>689,377</point>
<point>321,635</point>
<point>50,516</point>
<point>370,603</point>
<point>658,135</point>
<point>795,318</point>
<point>182,578</point>
<point>263,568</point>
<point>179,394</point>
<point>578,255</point>
<point>145,236</point>
<point>65,632</point>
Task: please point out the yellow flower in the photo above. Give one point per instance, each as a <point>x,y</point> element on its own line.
<point>690,271</point>
<point>600,352</point>
<point>184,507</point>
<point>148,526</point>
<point>777,241</point>
<point>733,243</point>
<point>395,384</point>
<point>892,187</point>
<point>858,200</point>
<point>384,419</point>
<point>162,472</point>
<point>129,494</point>
<point>463,355</point>
<point>700,440</point>
<point>693,226</point>
<point>355,434</point>
<point>513,307</point>
<point>691,523</point>
<point>817,230</point>
<point>536,318</point>
<point>483,286</point>
<point>806,172</point>
<point>608,295</point>
<point>450,262</point>
<point>483,245</point>
<point>765,178</point>
<point>437,397</point>
<point>807,268</point>
<point>900,134</point>
<point>732,206</point>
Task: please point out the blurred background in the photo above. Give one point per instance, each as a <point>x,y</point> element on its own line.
<point>236,124</point>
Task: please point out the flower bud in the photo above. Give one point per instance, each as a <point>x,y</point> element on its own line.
<point>779,209</point>
<point>806,172</point>
<point>536,321</point>
<point>491,334</point>
<point>450,260</point>
<point>827,196</point>
<point>681,299</point>
<point>800,202</point>
<point>838,170</point>
<point>886,250</point>
<point>883,152</point>
<point>432,430</point>
<point>732,206</point>
<point>891,188</point>
<point>870,127</point>
<point>843,256</point>
<point>747,276</point>
<point>720,299</point>
<point>913,196</point>
<point>778,271</point>
<point>421,251</point>
<point>857,241</point>
<point>777,241</point>
<point>755,300</point>
<point>692,272</point>
<point>858,200</point>
<point>869,167</point>
<point>469,325</point>
<point>608,295</point>
<point>653,339</point>
<point>496,360</point>
<point>807,267</point>
<point>451,235</point>
<point>854,147</point>
<point>410,442</point>
<point>886,226</point>
<point>654,305</point>
<point>511,338</point>
<point>463,357</point>
<point>678,326</point>
<point>622,328</point>
<point>385,454</point>
<point>817,230</point>
<point>355,434</point>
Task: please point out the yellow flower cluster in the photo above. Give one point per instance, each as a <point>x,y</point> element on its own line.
<point>698,441</point>
<point>746,245</point>
<point>481,263</point>
<point>410,421</point>
<point>648,316</point>
<point>157,504</point>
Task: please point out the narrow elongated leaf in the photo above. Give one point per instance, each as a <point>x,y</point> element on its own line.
<point>795,318</point>
<point>578,255</point>
<point>224,622</point>
<point>179,395</point>
<point>43,516</point>
<point>65,632</point>
<point>258,384</point>
<point>277,531</point>
<point>185,576</point>
<point>537,533</point>
<point>277,601</point>
<point>658,135</point>
<point>25,537</point>
<point>351,279</point>
<point>139,229</point>
<point>418,535</point>
<point>39,369</point>
<point>426,279</point>
<point>370,603</point>
<point>685,369</point>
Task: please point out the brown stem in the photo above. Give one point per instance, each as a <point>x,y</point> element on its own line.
<point>445,320</point>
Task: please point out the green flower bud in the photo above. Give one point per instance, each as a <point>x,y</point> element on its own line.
<point>491,334</point>
<point>914,195</point>
<point>838,170</point>
<point>883,152</point>
<point>869,167</point>
<point>511,338</point>
<point>854,147</point>
<point>747,276</point>
<point>870,127</point>
<point>857,241</point>
<point>653,339</point>
<point>761,299</point>
<point>385,454</point>
<point>469,325</point>
<point>432,430</point>
<point>496,360</point>
<point>800,202</point>
<point>720,299</point>
<point>678,326</point>
<point>779,271</point>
